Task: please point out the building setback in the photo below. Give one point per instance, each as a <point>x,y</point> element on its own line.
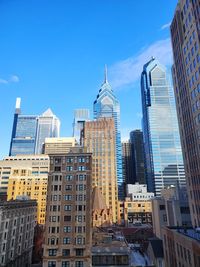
<point>17,230</point>
<point>69,210</point>
<point>185,35</point>
<point>163,154</point>
<point>99,138</point>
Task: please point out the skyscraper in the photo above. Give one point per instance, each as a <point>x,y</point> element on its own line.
<point>107,105</point>
<point>48,126</point>
<point>127,163</point>
<point>80,115</point>
<point>137,149</point>
<point>99,138</point>
<point>29,131</point>
<point>163,154</point>
<point>185,33</point>
<point>23,133</point>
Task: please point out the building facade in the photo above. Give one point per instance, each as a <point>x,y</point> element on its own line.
<point>25,175</point>
<point>163,154</point>
<point>181,247</point>
<point>185,35</point>
<point>127,163</point>
<point>170,209</point>
<point>137,150</point>
<point>29,131</point>
<point>17,231</point>
<point>107,105</point>
<point>69,210</point>
<point>99,138</point>
<point>60,145</point>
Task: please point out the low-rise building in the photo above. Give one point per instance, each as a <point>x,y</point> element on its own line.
<point>58,145</point>
<point>131,211</point>
<point>17,221</point>
<point>138,192</point>
<point>109,249</point>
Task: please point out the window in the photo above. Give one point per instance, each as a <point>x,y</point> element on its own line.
<point>67,229</point>
<point>52,252</point>
<point>162,207</point>
<point>79,264</point>
<point>81,160</point>
<point>69,168</point>
<point>67,207</point>
<point>57,160</point>
<point>81,168</point>
<point>57,169</point>
<point>66,240</point>
<point>68,187</point>
<point>66,252</point>
<point>79,252</point>
<point>67,218</point>
<point>51,263</point>
<point>67,197</point>
<point>65,264</point>
<point>69,160</point>
<point>78,218</point>
<point>69,177</point>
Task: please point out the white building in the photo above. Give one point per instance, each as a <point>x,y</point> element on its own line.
<point>138,192</point>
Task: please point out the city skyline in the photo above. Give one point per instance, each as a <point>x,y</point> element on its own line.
<point>52,70</point>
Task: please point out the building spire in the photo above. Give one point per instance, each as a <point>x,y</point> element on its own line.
<point>105,74</point>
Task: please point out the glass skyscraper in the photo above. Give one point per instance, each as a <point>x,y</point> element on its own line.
<point>107,105</point>
<point>30,131</point>
<point>163,153</point>
<point>48,126</point>
<point>80,116</point>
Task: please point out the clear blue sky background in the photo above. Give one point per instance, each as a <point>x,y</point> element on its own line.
<point>52,54</point>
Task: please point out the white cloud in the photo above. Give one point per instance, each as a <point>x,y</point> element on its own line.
<point>128,71</point>
<point>3,81</point>
<point>165,26</point>
<point>12,79</point>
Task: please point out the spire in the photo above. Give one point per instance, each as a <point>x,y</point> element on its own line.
<point>105,74</point>
<point>17,106</point>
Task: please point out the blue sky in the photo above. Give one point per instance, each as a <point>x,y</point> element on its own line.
<point>52,54</point>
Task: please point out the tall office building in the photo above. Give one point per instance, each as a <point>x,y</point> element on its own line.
<point>24,131</point>
<point>137,149</point>
<point>107,105</point>
<point>80,116</point>
<point>48,125</point>
<point>68,233</point>
<point>185,33</point>
<point>127,163</point>
<point>99,138</point>
<point>29,131</point>
<point>163,154</point>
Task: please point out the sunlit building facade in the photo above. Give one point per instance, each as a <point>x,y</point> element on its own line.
<point>163,153</point>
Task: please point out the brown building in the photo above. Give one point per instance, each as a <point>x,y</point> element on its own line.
<point>181,247</point>
<point>101,214</point>
<point>99,138</point>
<point>17,221</point>
<point>185,33</point>
<point>69,215</point>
